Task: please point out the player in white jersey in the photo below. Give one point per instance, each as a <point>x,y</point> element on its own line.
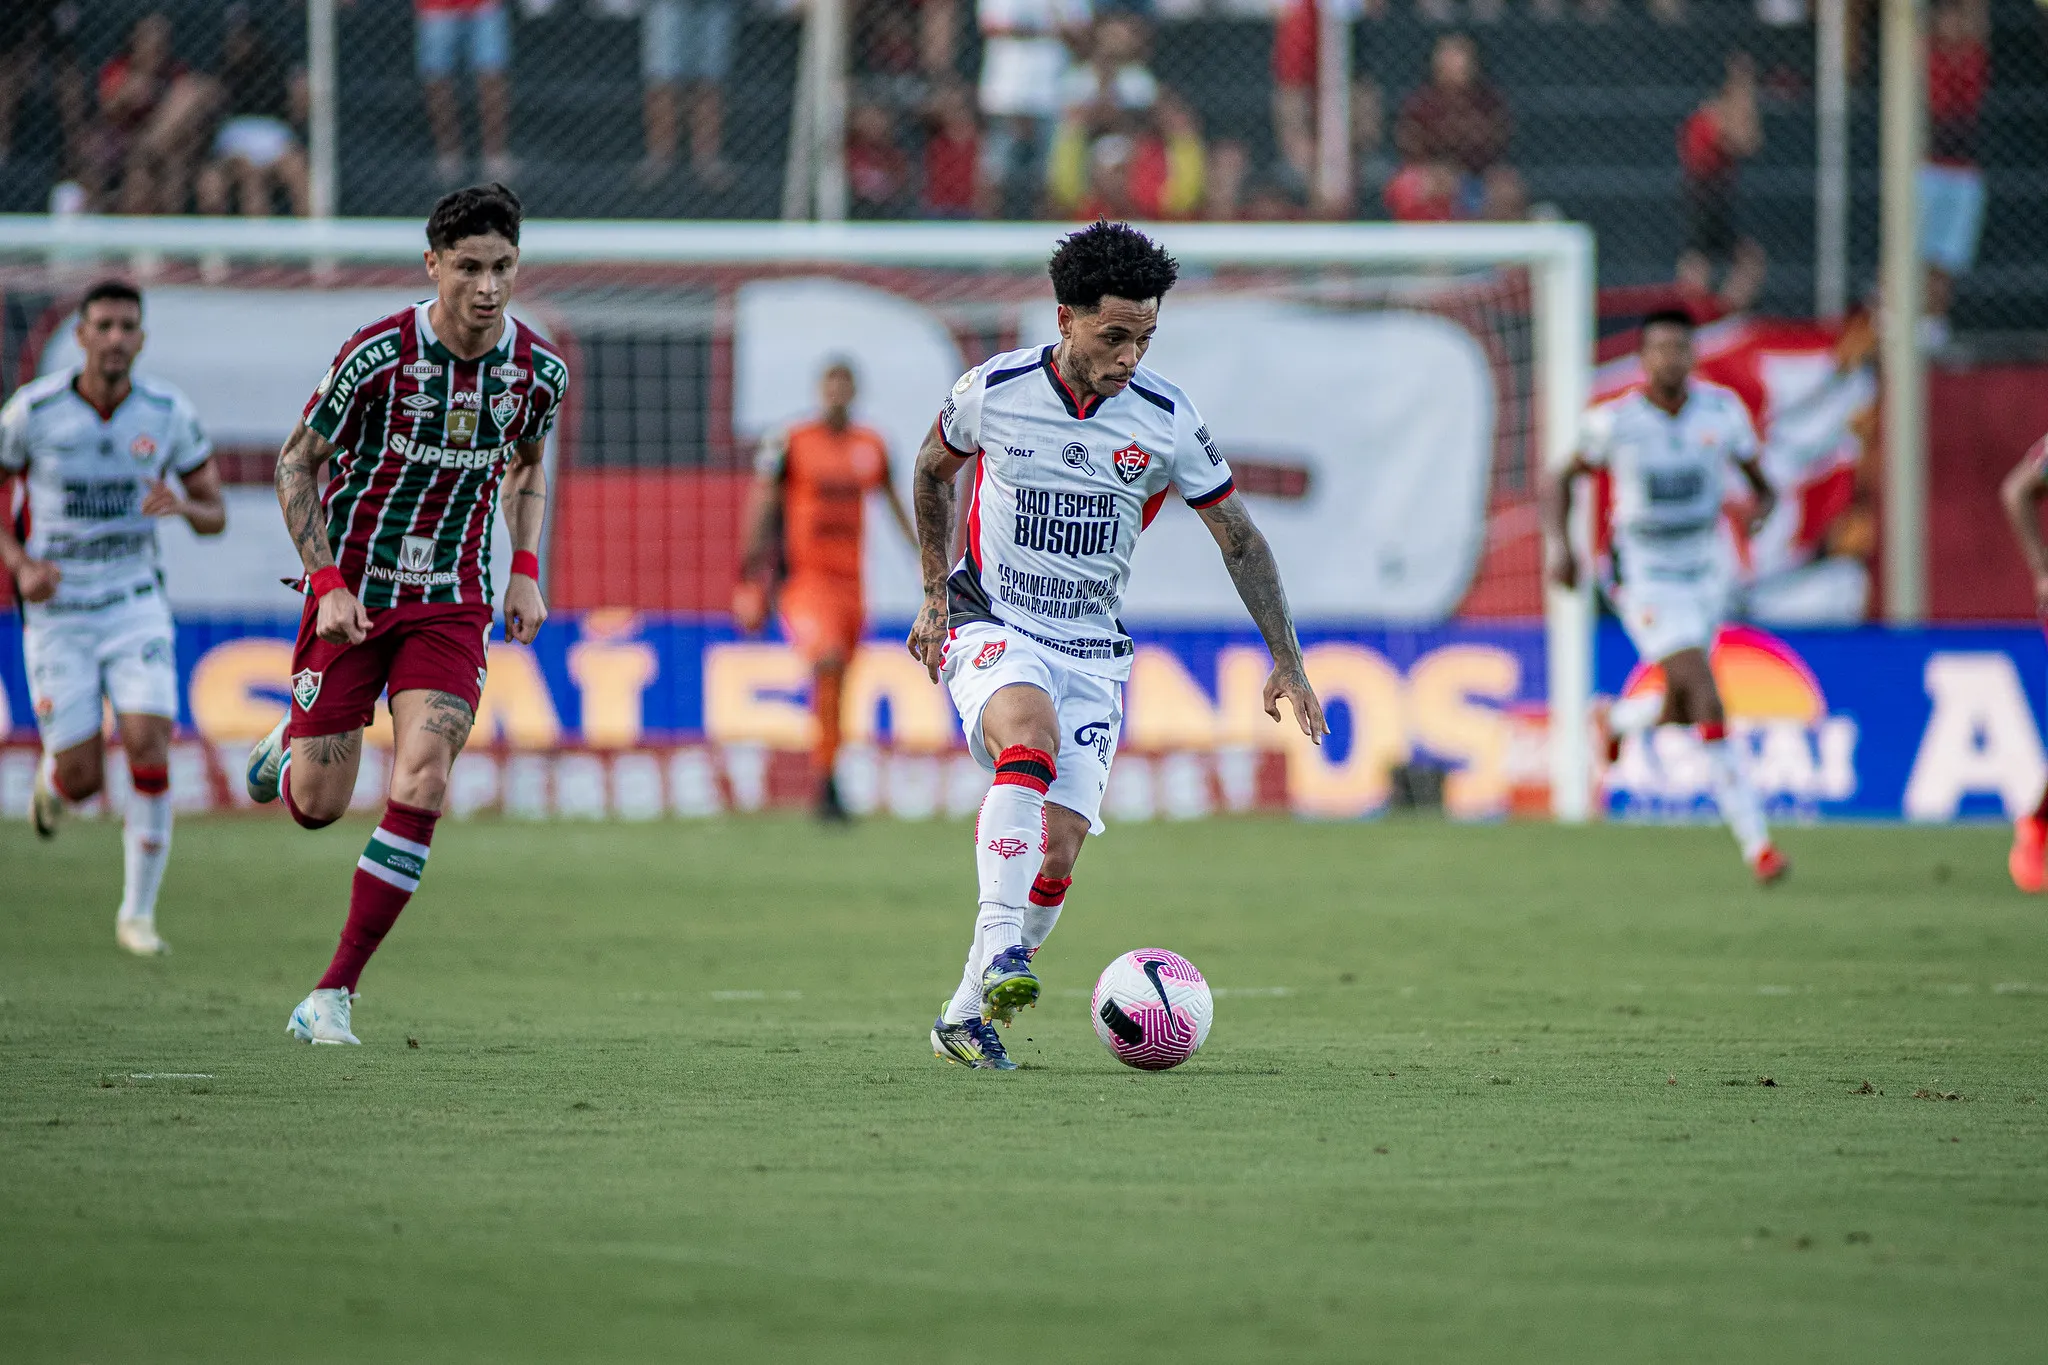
<point>98,449</point>
<point>1667,447</point>
<point>1078,447</point>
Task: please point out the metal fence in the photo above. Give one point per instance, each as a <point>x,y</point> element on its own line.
<point>1694,135</point>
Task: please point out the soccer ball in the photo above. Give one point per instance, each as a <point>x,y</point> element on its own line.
<point>1152,1009</point>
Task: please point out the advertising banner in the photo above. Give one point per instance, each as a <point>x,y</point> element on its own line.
<point>620,713</point>
<point>639,716</point>
<point>1872,722</point>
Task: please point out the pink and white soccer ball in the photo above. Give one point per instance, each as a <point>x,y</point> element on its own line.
<point>1152,1009</point>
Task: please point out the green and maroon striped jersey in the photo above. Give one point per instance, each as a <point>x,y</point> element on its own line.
<point>422,442</point>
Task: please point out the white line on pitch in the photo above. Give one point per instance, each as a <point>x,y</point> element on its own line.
<point>757,995</point>
<point>170,1075</point>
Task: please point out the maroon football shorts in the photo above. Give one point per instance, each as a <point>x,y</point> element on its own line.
<point>432,645</point>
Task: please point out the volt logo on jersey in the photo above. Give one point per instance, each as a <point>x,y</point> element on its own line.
<point>1131,463</point>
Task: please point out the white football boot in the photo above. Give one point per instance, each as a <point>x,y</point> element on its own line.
<point>322,1017</point>
<point>139,937</point>
<point>45,807</point>
<point>266,764</point>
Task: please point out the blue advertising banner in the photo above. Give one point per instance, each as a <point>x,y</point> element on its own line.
<point>1931,724</point>
<point>613,711</point>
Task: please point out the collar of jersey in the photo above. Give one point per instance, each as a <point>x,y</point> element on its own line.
<point>430,340</point>
<point>1076,406</point>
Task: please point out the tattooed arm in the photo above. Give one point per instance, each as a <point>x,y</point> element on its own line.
<point>341,618</point>
<point>525,498</point>
<point>1250,561</point>
<point>934,495</point>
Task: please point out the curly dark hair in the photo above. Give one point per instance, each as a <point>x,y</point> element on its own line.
<point>1107,258</point>
<point>475,212</point>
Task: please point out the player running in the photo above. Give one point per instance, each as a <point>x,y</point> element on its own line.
<point>426,414</point>
<point>1667,446</point>
<point>2021,495</point>
<point>1079,446</point>
<point>812,480</point>
<point>97,446</point>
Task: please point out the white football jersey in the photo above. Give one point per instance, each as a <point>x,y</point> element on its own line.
<point>1062,489</point>
<point>1669,476</point>
<point>87,477</point>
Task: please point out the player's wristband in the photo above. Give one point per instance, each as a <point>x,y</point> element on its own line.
<point>526,562</point>
<point>325,581</point>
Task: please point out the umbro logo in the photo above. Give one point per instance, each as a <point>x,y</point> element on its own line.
<point>418,402</point>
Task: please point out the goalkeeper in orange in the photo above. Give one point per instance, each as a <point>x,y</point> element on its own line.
<point>803,547</point>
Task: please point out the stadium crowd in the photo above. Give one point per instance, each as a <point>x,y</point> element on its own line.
<point>965,109</point>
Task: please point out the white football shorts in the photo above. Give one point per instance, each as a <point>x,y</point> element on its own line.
<point>1664,616</point>
<point>982,659</point>
<point>123,652</point>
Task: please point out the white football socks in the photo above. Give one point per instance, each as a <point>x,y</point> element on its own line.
<point>1634,715</point>
<point>146,852</point>
<point>1009,848</point>
<point>1740,806</point>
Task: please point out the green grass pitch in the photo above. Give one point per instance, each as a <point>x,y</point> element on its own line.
<point>1473,1094</point>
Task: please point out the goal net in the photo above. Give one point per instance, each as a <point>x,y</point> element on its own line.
<point>1386,397</point>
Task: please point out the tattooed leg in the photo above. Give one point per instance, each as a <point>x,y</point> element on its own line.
<point>431,728</point>
<point>323,773</point>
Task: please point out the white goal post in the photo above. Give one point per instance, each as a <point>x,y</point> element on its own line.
<point>1558,257</point>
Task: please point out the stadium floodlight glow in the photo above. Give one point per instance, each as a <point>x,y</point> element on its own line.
<point>1558,259</point>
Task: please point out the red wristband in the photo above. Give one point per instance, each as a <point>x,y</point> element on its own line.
<point>526,562</point>
<point>325,581</point>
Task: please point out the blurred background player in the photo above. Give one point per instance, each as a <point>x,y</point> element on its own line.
<point>1667,446</point>
<point>804,522</point>
<point>1078,448</point>
<point>430,416</point>
<point>97,447</point>
<point>2021,495</point>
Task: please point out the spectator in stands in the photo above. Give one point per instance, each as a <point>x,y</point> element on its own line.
<point>1713,142</point>
<point>1295,63</point>
<point>445,29</point>
<point>38,36</point>
<point>1952,183</point>
<point>686,52</point>
<point>257,151</point>
<point>877,171</point>
<point>1114,85</point>
<point>1459,123</point>
<point>1223,181</point>
<point>1025,55</point>
<point>152,121</point>
<point>952,152</point>
<point>888,59</point>
<point>1154,170</point>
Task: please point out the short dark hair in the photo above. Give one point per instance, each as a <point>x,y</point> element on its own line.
<point>1669,317</point>
<point>120,291</point>
<point>1106,259</point>
<point>475,212</point>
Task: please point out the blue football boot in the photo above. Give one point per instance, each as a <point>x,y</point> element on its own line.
<point>1008,985</point>
<point>972,1044</point>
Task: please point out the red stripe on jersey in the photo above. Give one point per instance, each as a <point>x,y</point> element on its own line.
<point>974,517</point>
<point>1080,403</point>
<point>1152,506</point>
